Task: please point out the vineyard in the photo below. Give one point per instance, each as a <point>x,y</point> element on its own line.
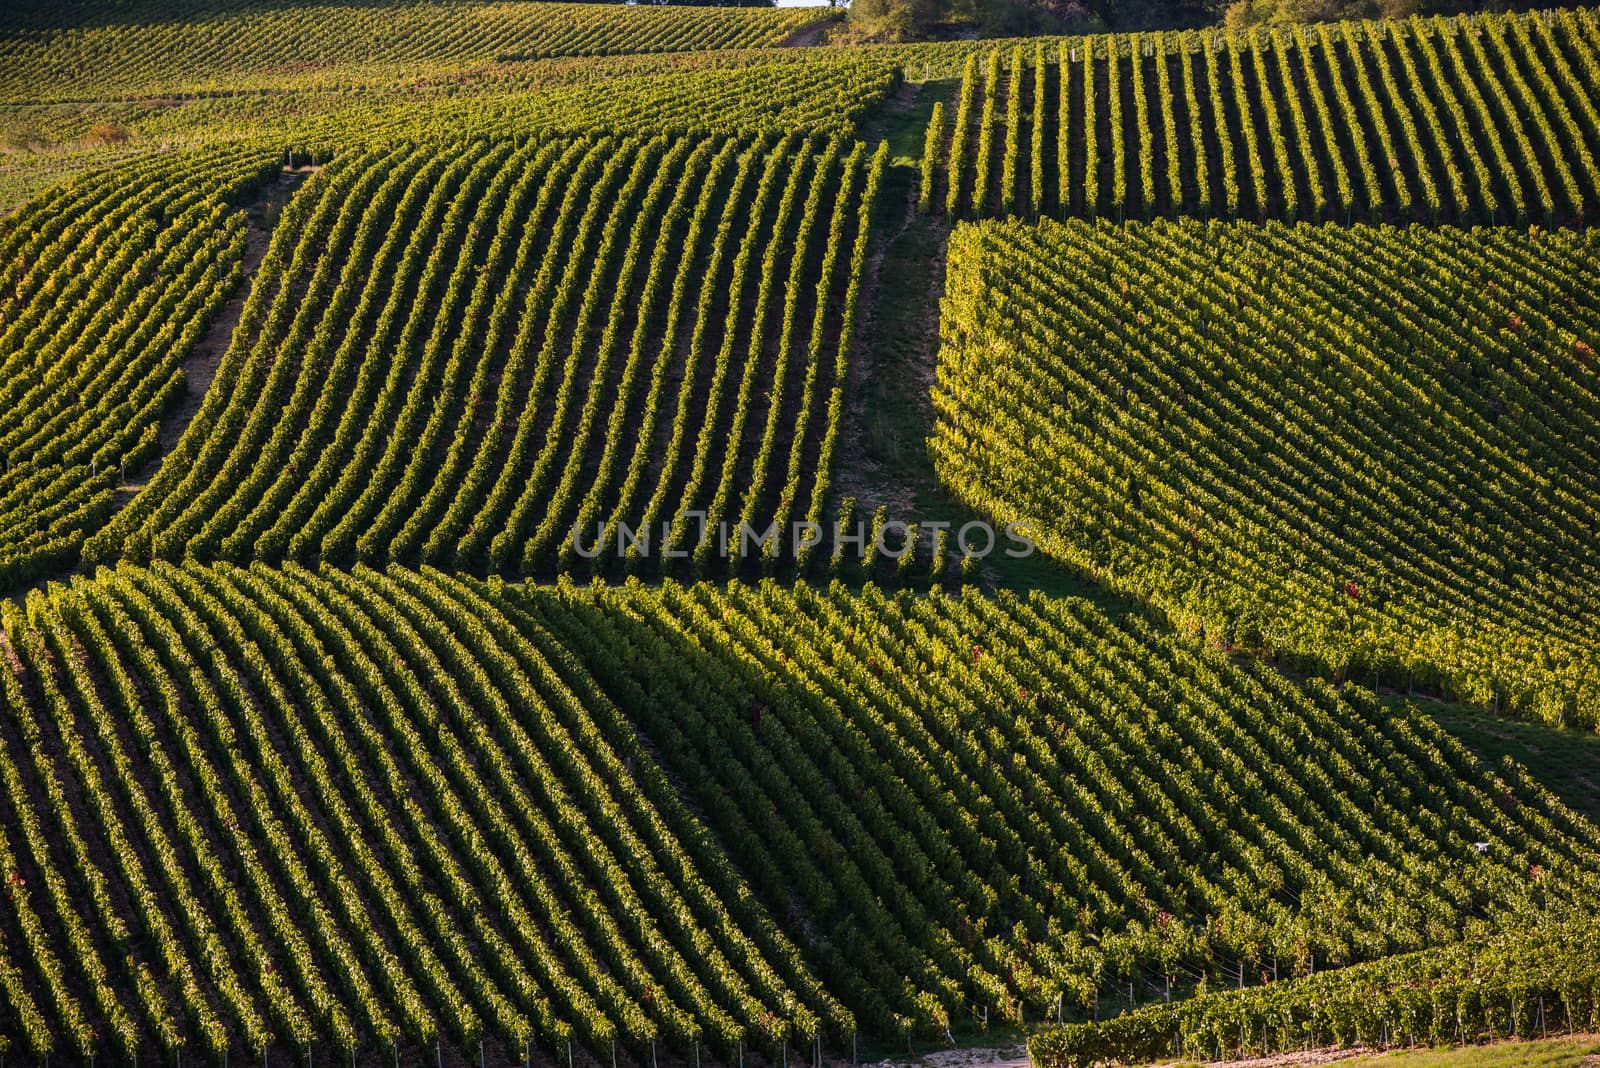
<point>184,748</point>
<point>1524,983</point>
<point>777,96</point>
<point>1286,440</point>
<point>470,843</point>
<point>725,92</point>
<point>1022,778</point>
<point>459,358</point>
<point>104,286</point>
<point>1479,120</point>
<point>486,574</point>
<point>274,44</point>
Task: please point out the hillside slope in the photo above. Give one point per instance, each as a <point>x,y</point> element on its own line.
<point>1488,119</point>
<point>462,359</point>
<point>105,287</point>
<point>248,808</point>
<point>153,49</point>
<point>1372,450</point>
<point>322,738</point>
<point>1526,981</point>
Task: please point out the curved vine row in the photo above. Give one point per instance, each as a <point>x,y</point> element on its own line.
<point>488,349</point>
<point>251,808</point>
<point>106,285</point>
<point>1372,451</point>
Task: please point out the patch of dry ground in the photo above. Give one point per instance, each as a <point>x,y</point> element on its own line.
<point>810,36</point>
<point>1005,1057</point>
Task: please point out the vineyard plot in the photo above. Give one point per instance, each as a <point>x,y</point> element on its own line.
<point>502,343</point>
<point>106,285</point>
<point>1009,804</point>
<point>271,44</point>
<point>1485,119</point>
<point>1532,979</point>
<point>750,91</point>
<point>1371,451</point>
<point>251,809</point>
<point>448,687</point>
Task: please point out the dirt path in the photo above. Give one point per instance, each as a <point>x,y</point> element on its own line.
<point>1296,1060</point>
<point>1017,1057</point>
<point>1005,1057</point>
<point>810,36</point>
<point>200,366</point>
<point>881,457</point>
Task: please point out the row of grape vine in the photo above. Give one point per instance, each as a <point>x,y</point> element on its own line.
<point>274,45</point>
<point>1522,983</point>
<point>257,809</point>
<point>461,358</point>
<point>1489,119</point>
<point>1372,451</point>
<point>105,286</point>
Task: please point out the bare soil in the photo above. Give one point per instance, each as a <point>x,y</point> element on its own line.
<point>1298,1058</point>
<point>810,36</point>
<point>200,366</point>
<point>1004,1057</point>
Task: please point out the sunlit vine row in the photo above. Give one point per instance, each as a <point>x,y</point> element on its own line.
<point>464,836</point>
<point>105,287</point>
<point>1487,119</point>
<point>1370,450</point>
<point>494,346</point>
<point>278,45</point>
<point>354,812</point>
<point>1019,806</point>
<point>1531,981</point>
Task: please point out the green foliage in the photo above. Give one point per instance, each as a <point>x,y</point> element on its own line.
<point>287,790</point>
<point>1013,802</point>
<point>351,811</point>
<point>280,43</point>
<point>761,90</point>
<point>1284,440</point>
<point>1467,119</point>
<point>896,20</point>
<point>497,344</point>
<point>1564,762</point>
<point>106,286</point>
<point>932,146</point>
<point>1523,982</point>
<point>1568,1052</point>
<point>253,808</point>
